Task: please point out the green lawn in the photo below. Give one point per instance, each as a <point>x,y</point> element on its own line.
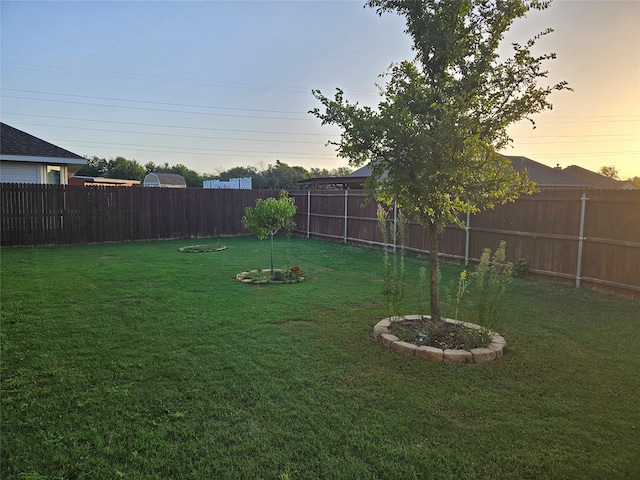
<point>137,361</point>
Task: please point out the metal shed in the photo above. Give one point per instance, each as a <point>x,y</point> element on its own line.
<point>164,180</point>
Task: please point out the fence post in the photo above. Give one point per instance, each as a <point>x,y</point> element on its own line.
<point>581,238</point>
<point>466,240</point>
<point>308,213</point>
<point>346,213</point>
<point>395,224</point>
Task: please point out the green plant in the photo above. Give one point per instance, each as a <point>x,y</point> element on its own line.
<point>288,228</point>
<point>463,283</point>
<point>520,267</point>
<point>491,280</point>
<point>423,288</point>
<point>393,273</point>
<point>269,216</point>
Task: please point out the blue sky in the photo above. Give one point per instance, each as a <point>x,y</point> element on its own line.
<point>214,85</point>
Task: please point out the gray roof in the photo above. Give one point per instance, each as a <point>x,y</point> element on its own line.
<point>361,172</point>
<point>19,144</point>
<point>541,174</point>
<point>546,176</point>
<point>597,180</point>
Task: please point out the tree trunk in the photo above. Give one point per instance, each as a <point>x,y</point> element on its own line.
<point>272,255</point>
<point>433,283</point>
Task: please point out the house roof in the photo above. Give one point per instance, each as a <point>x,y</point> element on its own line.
<point>16,145</point>
<point>546,176</point>
<point>597,180</point>
<point>354,180</point>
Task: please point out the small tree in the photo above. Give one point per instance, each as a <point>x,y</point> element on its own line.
<point>269,216</point>
<point>433,139</point>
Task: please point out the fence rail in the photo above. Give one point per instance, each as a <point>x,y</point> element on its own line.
<point>590,239</point>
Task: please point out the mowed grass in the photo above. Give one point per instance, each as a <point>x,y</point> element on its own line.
<point>137,361</point>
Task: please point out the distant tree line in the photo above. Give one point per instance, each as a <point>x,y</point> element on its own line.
<point>278,176</point>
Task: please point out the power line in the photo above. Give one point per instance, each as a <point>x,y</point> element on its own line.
<point>248,116</point>
<point>164,126</point>
<point>147,102</point>
<point>204,151</point>
<point>159,109</point>
<point>589,154</point>
<point>171,79</point>
<point>176,135</point>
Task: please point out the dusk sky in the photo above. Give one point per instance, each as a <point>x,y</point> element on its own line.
<point>213,85</point>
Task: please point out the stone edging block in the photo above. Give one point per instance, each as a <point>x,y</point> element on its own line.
<point>404,347</point>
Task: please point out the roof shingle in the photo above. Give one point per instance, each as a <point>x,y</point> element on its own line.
<point>19,143</point>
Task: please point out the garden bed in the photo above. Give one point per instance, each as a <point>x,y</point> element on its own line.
<point>445,342</point>
<point>262,276</point>
<point>202,248</point>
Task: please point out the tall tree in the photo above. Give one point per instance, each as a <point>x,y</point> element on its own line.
<point>122,168</point>
<point>432,141</point>
<point>609,171</point>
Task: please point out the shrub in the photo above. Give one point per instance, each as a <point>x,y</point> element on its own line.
<point>490,281</point>
<point>393,289</point>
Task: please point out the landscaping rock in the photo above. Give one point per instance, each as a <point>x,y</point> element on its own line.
<point>481,355</point>
<point>457,356</point>
<point>381,328</point>
<point>432,353</point>
<point>388,339</point>
<point>404,347</point>
<point>496,347</point>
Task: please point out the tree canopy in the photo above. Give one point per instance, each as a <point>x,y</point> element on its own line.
<point>269,216</point>
<point>609,171</point>
<point>432,140</point>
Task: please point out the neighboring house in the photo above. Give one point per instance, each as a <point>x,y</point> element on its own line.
<point>164,180</point>
<point>28,159</point>
<point>101,181</point>
<point>544,176</point>
<point>243,183</point>
<point>354,181</point>
<point>599,181</point>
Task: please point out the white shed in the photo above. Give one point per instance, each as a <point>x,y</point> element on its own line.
<point>243,183</point>
<point>164,180</point>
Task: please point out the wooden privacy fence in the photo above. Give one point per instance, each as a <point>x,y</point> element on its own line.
<point>70,214</point>
<point>589,238</point>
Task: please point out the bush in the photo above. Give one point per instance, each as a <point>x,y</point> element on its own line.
<point>491,280</point>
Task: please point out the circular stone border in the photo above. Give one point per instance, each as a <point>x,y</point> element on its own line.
<point>204,250</point>
<point>241,277</point>
<point>475,355</point>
